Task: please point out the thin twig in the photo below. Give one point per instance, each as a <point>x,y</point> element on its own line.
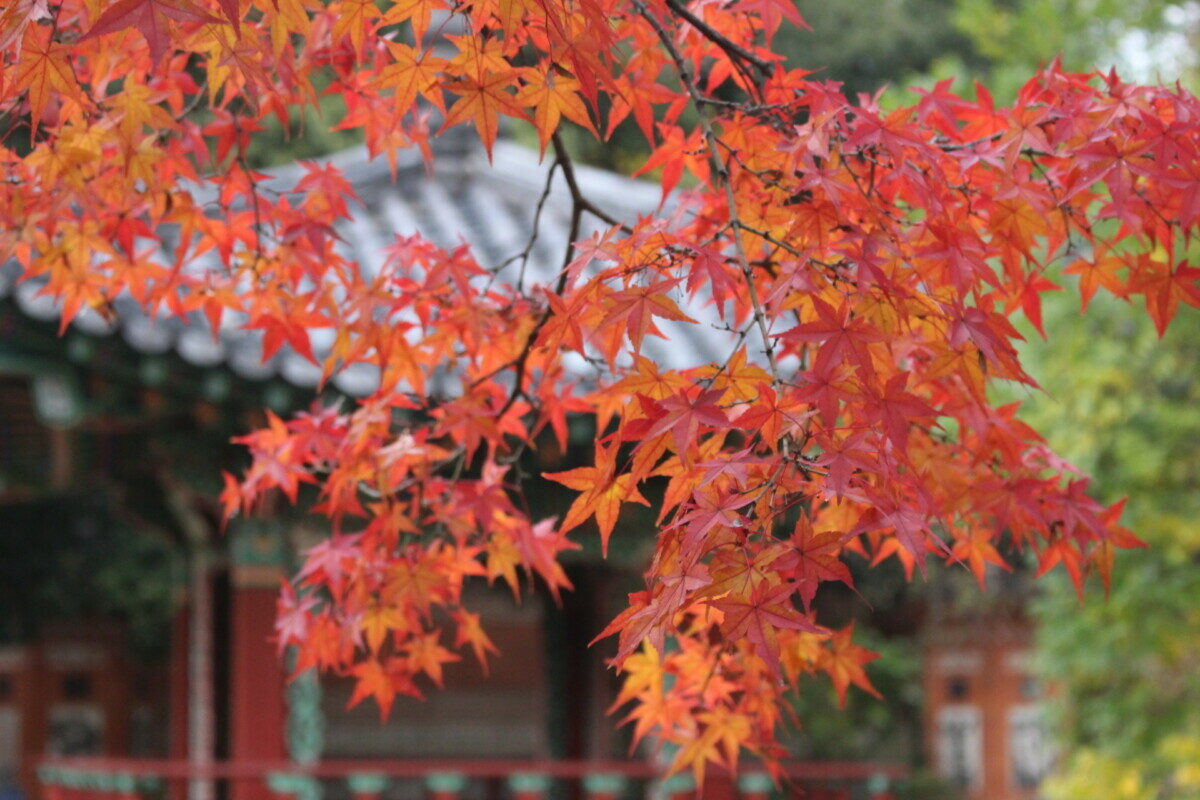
<point>734,50</point>
<point>950,147</point>
<point>722,177</point>
<point>523,255</point>
<point>579,204</point>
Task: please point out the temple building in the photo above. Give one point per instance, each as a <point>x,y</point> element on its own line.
<point>112,438</point>
<point>140,406</point>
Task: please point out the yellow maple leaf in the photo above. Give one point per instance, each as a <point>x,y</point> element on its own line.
<point>553,95</point>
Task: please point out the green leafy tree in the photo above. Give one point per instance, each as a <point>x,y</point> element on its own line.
<point>1125,407</point>
<point>1122,405</point>
<point>1156,38</point>
<point>876,43</point>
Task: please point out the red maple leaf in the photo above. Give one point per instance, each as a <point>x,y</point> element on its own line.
<point>151,17</point>
<point>840,335</point>
<point>683,415</point>
<point>813,559</point>
<point>757,618</point>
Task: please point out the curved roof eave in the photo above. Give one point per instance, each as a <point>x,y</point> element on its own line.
<point>461,199</point>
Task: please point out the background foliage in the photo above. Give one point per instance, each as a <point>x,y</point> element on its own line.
<point>1125,407</point>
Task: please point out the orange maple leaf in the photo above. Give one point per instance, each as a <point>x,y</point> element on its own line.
<point>553,95</point>
<point>377,622</point>
<point>482,100</point>
<point>381,683</point>
<point>352,19</point>
<point>977,550</point>
<point>844,661</point>
<point>44,69</point>
<point>469,631</point>
<point>426,654</point>
<point>603,493</point>
<point>412,72</point>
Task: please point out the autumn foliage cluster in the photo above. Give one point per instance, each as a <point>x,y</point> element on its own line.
<point>863,265</point>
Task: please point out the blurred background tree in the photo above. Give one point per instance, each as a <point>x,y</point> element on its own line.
<point>876,43</point>
<point>1148,40</point>
<point>1125,408</point>
<point>1121,405</point>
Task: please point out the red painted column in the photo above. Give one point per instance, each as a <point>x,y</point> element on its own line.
<point>177,699</point>
<point>257,703</point>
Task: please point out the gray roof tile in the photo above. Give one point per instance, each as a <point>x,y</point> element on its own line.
<point>461,199</point>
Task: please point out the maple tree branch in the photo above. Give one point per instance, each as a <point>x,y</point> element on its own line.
<point>458,458</point>
<point>745,107</point>
<point>950,147</point>
<point>578,205</point>
<point>782,245</point>
<point>194,103</point>
<point>742,333</point>
<point>578,198</point>
<point>1060,204</point>
<point>255,197</point>
<point>722,177</point>
<point>734,50</point>
<point>569,250</point>
<point>537,218</point>
<point>866,191</point>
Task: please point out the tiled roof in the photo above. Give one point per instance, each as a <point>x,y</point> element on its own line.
<point>461,199</point>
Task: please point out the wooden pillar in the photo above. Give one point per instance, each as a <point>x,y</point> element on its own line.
<point>177,699</point>
<point>185,667</point>
<point>17,699</point>
<point>257,682</point>
<point>201,722</point>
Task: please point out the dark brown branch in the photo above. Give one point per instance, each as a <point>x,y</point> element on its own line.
<point>734,50</point>
<point>579,204</point>
<point>578,199</point>
<point>950,147</point>
<point>527,251</point>
<point>721,176</point>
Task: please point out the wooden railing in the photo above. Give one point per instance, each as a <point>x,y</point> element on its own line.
<point>79,778</point>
